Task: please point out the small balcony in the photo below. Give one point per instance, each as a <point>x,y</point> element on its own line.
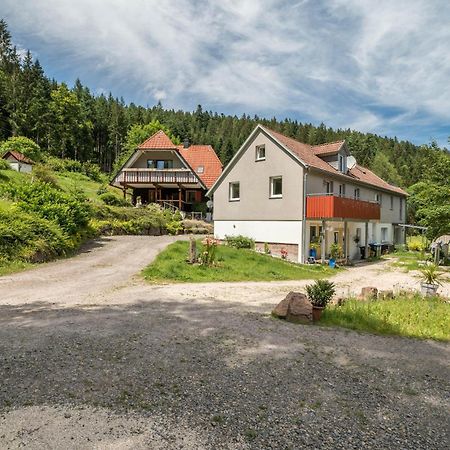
<point>331,206</point>
<point>155,176</point>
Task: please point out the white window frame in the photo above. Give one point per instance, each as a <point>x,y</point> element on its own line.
<point>384,231</point>
<point>357,194</point>
<point>329,187</point>
<point>342,190</point>
<point>230,191</point>
<point>258,157</point>
<point>379,199</point>
<point>341,163</point>
<point>271,182</point>
<point>200,169</point>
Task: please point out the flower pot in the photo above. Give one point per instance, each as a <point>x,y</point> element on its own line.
<point>428,289</point>
<point>332,263</point>
<point>317,312</point>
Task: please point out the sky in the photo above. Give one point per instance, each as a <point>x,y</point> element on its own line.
<point>375,66</point>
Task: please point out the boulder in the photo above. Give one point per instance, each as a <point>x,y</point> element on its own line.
<point>386,295</point>
<point>369,293</point>
<point>295,307</point>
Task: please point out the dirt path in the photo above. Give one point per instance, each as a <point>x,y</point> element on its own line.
<point>106,264</point>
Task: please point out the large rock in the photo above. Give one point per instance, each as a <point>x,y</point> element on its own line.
<point>295,307</point>
<point>369,293</point>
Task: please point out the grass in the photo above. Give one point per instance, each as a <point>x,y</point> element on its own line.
<point>232,265</point>
<point>8,267</point>
<point>409,316</point>
<point>408,260</point>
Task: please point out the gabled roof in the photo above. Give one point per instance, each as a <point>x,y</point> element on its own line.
<point>20,157</point>
<point>158,141</point>
<point>328,149</point>
<point>307,155</point>
<point>202,156</point>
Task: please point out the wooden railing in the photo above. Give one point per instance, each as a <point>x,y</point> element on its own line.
<point>130,176</point>
<point>328,206</point>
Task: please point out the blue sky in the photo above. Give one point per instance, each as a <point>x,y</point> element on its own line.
<point>376,66</point>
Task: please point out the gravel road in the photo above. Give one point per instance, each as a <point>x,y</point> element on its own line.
<point>91,357</point>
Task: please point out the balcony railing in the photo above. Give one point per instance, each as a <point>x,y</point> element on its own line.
<point>332,206</point>
<point>150,176</point>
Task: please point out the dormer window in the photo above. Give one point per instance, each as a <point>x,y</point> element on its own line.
<point>200,169</point>
<point>341,161</point>
<point>260,152</point>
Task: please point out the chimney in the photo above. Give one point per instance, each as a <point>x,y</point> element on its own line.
<point>186,143</point>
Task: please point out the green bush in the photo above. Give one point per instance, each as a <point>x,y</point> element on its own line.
<point>4,165</point>
<point>108,198</point>
<point>44,174</point>
<point>416,244</point>
<point>21,144</point>
<point>239,242</point>
<point>174,227</point>
<point>27,237</point>
<point>70,212</point>
<point>320,292</point>
<point>89,169</point>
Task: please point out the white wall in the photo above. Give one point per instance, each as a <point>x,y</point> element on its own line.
<point>21,167</point>
<point>277,232</point>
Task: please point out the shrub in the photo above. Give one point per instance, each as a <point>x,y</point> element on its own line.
<point>208,255</point>
<point>71,212</point>
<point>416,244</point>
<point>102,189</point>
<point>320,292</point>
<point>239,242</point>
<point>4,165</point>
<point>174,227</point>
<point>44,174</point>
<point>108,198</point>
<point>431,274</point>
<point>89,169</point>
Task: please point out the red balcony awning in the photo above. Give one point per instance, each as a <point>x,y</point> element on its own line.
<point>333,207</point>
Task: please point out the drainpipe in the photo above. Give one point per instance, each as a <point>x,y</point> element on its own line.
<point>303,246</point>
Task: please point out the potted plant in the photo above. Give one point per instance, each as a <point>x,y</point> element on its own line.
<point>431,279</point>
<point>319,294</point>
<point>356,239</point>
<point>335,252</point>
<point>313,247</point>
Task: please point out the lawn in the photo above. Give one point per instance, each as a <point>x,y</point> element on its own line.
<point>410,316</point>
<point>232,265</point>
<point>408,260</point>
<point>8,267</point>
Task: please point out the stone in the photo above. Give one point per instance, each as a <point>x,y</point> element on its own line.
<point>295,307</point>
<point>386,295</point>
<point>369,293</point>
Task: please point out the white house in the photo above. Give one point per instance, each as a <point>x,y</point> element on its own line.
<point>18,161</point>
<point>290,195</point>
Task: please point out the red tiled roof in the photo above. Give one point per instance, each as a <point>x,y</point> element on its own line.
<point>158,141</point>
<point>18,156</point>
<point>202,155</point>
<point>308,154</point>
<point>327,149</point>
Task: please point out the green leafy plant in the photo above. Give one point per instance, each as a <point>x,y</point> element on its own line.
<point>208,254</point>
<point>21,144</point>
<point>108,198</point>
<point>314,245</point>
<point>320,292</point>
<point>335,251</point>
<point>266,248</point>
<point>45,175</point>
<point>174,227</point>
<point>431,274</point>
<point>4,165</point>
<point>240,242</point>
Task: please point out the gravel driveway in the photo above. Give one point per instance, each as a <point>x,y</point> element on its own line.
<point>112,363</point>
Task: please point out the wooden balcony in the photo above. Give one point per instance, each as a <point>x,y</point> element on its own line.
<point>155,176</point>
<point>329,206</point>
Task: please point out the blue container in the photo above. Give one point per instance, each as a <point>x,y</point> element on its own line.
<point>332,263</point>
<point>313,253</point>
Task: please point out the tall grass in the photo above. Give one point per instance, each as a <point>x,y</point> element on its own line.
<point>411,316</point>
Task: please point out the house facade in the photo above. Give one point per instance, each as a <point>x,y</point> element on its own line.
<point>176,176</point>
<point>291,195</point>
<point>18,161</point>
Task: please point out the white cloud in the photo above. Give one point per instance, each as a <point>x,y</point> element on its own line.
<point>344,62</point>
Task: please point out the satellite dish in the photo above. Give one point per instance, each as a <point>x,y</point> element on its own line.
<point>351,162</point>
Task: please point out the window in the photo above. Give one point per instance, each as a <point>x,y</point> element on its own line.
<point>190,196</point>
<point>379,198</point>
<point>328,187</point>
<point>341,163</point>
<point>384,231</point>
<point>234,191</point>
<point>159,164</point>
<point>312,233</point>
<point>392,202</point>
<point>276,187</point>
<point>401,210</point>
<point>342,190</point>
<point>200,169</point>
<point>336,237</point>
<point>357,194</point>
<point>260,152</point>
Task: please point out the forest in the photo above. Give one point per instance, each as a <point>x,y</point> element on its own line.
<point>73,123</point>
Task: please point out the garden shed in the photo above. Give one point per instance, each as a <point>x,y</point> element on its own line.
<point>18,161</point>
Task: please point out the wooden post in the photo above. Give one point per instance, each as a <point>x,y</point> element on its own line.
<point>192,251</point>
<point>345,241</point>
<point>366,243</point>
<point>125,193</point>
<point>323,247</point>
<point>179,198</point>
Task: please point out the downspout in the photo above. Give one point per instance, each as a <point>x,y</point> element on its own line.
<point>303,246</point>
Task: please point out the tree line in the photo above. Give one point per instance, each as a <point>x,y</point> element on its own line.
<point>72,122</point>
